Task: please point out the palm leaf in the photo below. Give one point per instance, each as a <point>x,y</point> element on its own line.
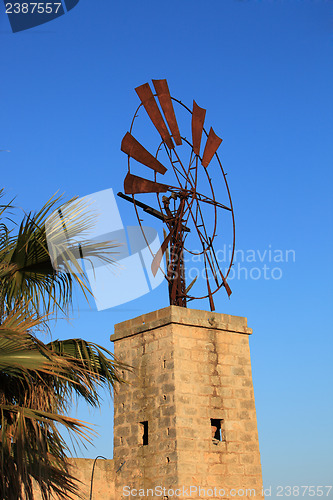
<point>38,380</point>
<point>37,383</point>
<point>26,268</point>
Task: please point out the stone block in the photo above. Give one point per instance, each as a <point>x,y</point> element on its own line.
<point>218,469</point>
<point>247,404</point>
<point>224,392</point>
<point>235,475</point>
<point>208,369</point>
<point>189,410</point>
<point>230,458</point>
<point>237,371</point>
<point>199,356</point>
<point>216,402</point>
<point>247,458</point>
<point>169,410</point>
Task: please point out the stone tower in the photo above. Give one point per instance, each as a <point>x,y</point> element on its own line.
<point>185,424</point>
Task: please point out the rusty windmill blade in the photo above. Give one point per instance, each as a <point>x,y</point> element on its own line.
<point>134,149</point>
<point>163,94</point>
<point>159,255</point>
<point>212,145</point>
<point>198,119</point>
<point>135,185</point>
<point>210,295</point>
<point>174,229</point>
<point>226,286</point>
<point>148,100</point>
<point>163,248</point>
<point>225,283</point>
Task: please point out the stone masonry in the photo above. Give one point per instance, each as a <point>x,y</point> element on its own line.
<point>103,479</point>
<point>186,418</point>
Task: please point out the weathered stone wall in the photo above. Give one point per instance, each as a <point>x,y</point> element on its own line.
<point>149,396</point>
<point>213,381</point>
<point>103,481</point>
<point>189,367</point>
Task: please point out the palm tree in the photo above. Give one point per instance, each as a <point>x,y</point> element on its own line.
<point>38,380</point>
<point>26,269</point>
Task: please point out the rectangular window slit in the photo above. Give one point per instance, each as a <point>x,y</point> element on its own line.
<point>144,432</point>
<point>216,424</point>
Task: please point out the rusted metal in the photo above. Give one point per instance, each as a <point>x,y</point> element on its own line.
<point>212,145</point>
<point>185,207</point>
<point>198,120</point>
<point>146,208</point>
<point>225,284</point>
<point>176,268</point>
<point>134,149</point>
<point>159,255</point>
<point>205,199</point>
<point>147,98</point>
<point>176,228</point>
<point>227,187</point>
<point>134,185</point>
<point>163,94</point>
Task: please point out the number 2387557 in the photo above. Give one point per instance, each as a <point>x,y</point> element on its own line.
<point>33,8</point>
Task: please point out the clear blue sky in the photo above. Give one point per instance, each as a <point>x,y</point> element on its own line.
<point>263,70</point>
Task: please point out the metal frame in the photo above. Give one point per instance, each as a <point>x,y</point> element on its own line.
<point>182,208</point>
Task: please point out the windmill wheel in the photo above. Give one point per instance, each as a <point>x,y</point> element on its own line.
<point>180,192</point>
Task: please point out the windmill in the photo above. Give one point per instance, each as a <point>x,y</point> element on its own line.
<point>183,193</point>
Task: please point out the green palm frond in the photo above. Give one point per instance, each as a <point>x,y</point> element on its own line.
<point>26,269</point>
<point>37,383</point>
<point>38,380</point>
<point>33,449</point>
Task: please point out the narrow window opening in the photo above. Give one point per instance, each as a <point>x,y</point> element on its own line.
<point>168,431</point>
<point>167,460</point>
<point>164,397</point>
<point>216,428</point>
<point>121,440</point>
<point>123,405</point>
<point>144,432</point>
<point>164,363</point>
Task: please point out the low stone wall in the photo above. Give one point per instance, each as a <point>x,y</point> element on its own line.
<point>103,480</point>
